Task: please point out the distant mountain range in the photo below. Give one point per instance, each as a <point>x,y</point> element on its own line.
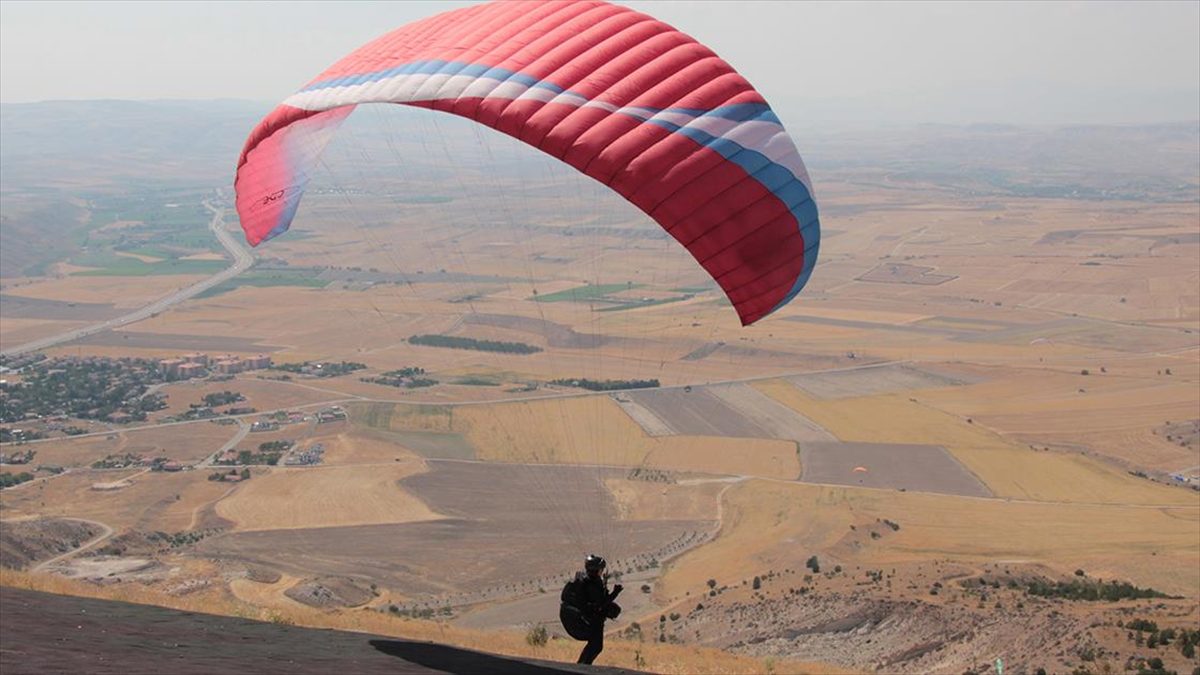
<point>55,156</point>
<point>59,144</point>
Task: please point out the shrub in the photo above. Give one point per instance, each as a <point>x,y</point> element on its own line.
<point>537,636</point>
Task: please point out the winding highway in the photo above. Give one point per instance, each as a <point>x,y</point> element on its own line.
<point>242,260</point>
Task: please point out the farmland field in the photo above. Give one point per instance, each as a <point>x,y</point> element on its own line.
<point>987,380</point>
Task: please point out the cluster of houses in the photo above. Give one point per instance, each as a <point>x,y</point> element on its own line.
<point>273,421</point>
<point>22,457</point>
<point>198,365</point>
<point>231,476</point>
<point>130,460</point>
<point>331,414</point>
<point>228,457</point>
<point>307,457</point>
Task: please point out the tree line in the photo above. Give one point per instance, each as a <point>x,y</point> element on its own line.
<point>452,342</point>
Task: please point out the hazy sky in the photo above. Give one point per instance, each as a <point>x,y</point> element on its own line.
<point>1052,62</point>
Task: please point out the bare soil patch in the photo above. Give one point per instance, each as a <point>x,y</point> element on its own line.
<point>501,518</point>
<point>917,468</point>
<point>733,410</point>
<point>871,380</point>
<point>900,273</point>
<point>327,592</point>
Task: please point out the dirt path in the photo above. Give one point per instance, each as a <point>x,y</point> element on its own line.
<point>95,541</point>
<point>196,511</point>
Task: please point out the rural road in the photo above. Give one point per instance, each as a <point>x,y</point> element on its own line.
<point>243,429</point>
<point>107,532</point>
<point>242,260</point>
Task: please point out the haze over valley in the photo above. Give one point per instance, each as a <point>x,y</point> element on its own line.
<point>975,434</point>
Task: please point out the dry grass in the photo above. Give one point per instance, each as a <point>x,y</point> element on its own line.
<point>186,443</point>
<point>169,502</point>
<point>641,500</point>
<point>1113,415</point>
<point>14,331</point>
<point>259,394</point>
<point>326,496</point>
<point>774,525</point>
<point>654,657</point>
<point>128,292</point>
<point>351,449</point>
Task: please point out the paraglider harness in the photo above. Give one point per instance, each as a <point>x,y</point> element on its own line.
<point>579,616</point>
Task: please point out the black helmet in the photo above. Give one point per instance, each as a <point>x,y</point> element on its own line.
<point>594,563</point>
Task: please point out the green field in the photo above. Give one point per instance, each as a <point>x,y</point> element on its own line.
<point>300,277</point>
<point>132,267</point>
<point>583,293</point>
<point>635,304</point>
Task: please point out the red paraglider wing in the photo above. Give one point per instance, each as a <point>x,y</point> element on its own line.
<point>620,96</point>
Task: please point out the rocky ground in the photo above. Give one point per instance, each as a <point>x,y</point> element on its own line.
<point>324,592</point>
<point>24,542</point>
<point>930,618</point>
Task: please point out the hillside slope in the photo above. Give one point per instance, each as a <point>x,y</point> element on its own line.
<point>41,632</point>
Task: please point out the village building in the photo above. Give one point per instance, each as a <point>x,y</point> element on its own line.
<point>190,370</point>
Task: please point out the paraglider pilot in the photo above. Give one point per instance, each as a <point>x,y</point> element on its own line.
<point>586,604</point>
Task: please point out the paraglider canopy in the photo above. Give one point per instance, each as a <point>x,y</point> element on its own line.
<point>619,96</point>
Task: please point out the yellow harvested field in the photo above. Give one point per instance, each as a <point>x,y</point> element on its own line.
<point>81,452</point>
<point>643,500</point>
<point>169,502</point>
<point>129,292</point>
<point>191,442</point>
<point>775,525</point>
<point>15,331</point>
<point>346,448</point>
<point>1008,469</point>
<point>594,430</point>
<point>334,496</point>
<point>1113,415</point>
